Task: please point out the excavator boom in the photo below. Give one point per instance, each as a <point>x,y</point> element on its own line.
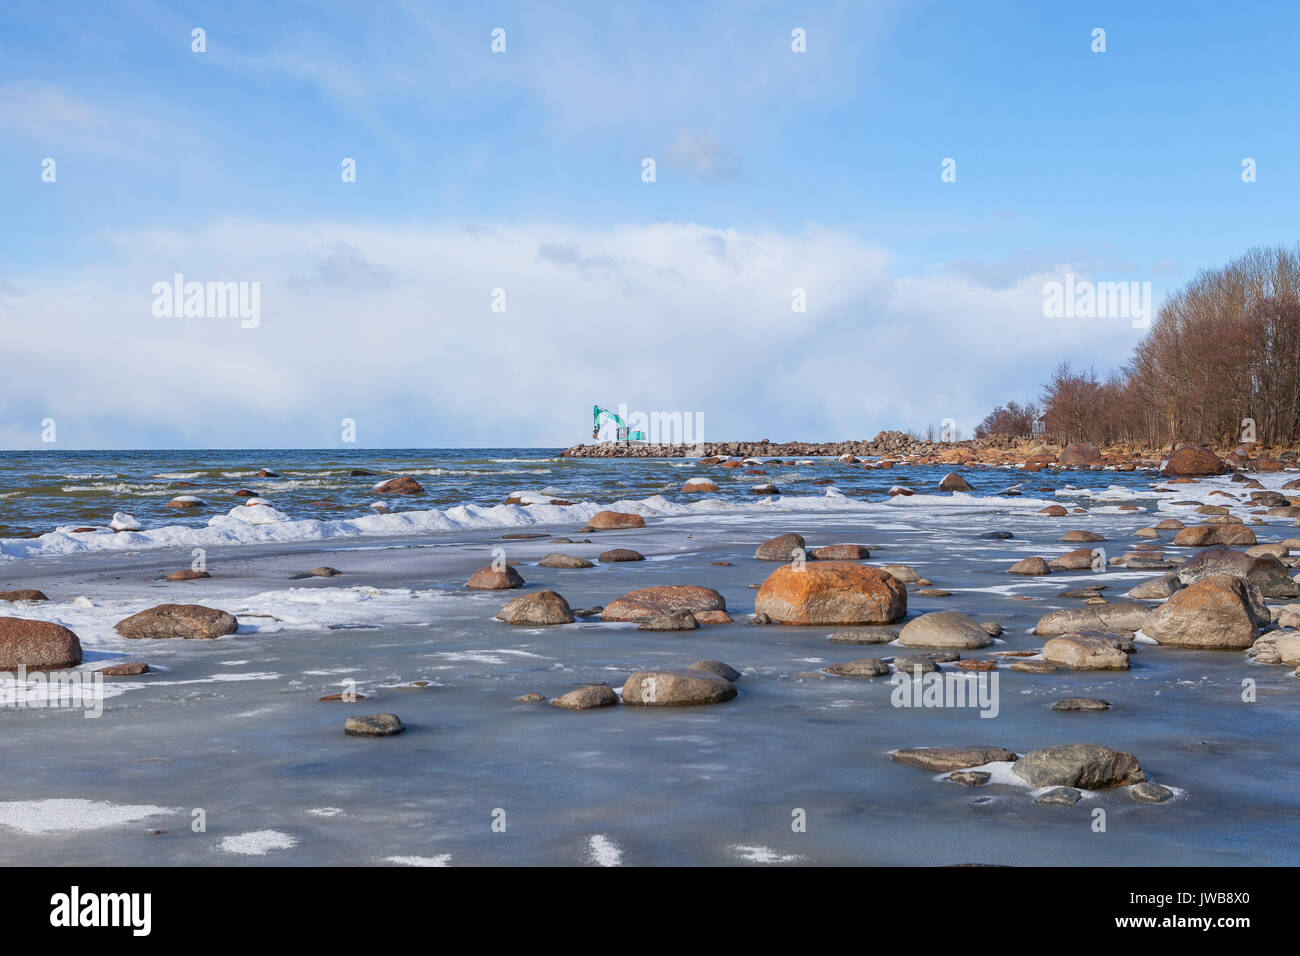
<point>623,432</point>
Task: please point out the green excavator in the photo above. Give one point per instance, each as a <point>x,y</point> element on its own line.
<point>624,433</point>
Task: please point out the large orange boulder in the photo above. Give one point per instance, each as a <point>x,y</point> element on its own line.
<point>831,593</point>
<point>1193,461</point>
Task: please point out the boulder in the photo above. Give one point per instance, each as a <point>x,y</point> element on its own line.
<point>1287,647</point>
<point>915,664</point>
<point>904,572</point>
<point>867,667</point>
<point>1082,537</point>
<point>23,594</point>
<point>946,630</point>
<point>1151,793</point>
<point>1106,618</point>
<point>539,609</point>
<point>620,554</point>
<point>712,617</point>
<point>187,574</point>
<point>494,579</point>
<point>840,552</point>
<point>865,635</point>
<point>1080,559</point>
<point>1086,652</point>
<point>1265,571</point>
<point>647,604</point>
<point>832,593</point>
<point>1081,704</point>
<point>401,485</point>
<point>1214,613</point>
<point>373,725</point>
<point>1055,511</point>
<point>1030,566</point>
<point>781,548</point>
<point>676,688</point>
<point>569,561</point>
<point>1188,462</point>
<point>1059,796</point>
<point>677,621</point>
<point>954,482</point>
<point>1156,589</point>
<point>128,669</point>
<point>37,645</point>
<point>614,520</point>
<point>717,669</point>
<point>1086,766</point>
<point>947,759</point>
<point>1080,453</point>
<point>697,485</point>
<point>188,621</point>
<point>1269,499</point>
<point>587,697</point>
<point>1034,667</point>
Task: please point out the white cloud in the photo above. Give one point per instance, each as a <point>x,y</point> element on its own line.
<point>394,328</point>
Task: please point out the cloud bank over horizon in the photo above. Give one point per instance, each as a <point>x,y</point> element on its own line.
<point>402,331</point>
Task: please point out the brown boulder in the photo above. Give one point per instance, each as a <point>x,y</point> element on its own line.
<point>537,610</point>
<point>1034,565</point>
<point>129,669</point>
<point>189,621</point>
<point>612,520</point>
<point>23,594</point>
<point>781,548</point>
<point>954,482</point>
<point>1204,535</point>
<point>488,578</point>
<point>1193,461</point>
<point>1086,652</point>
<point>697,485</point>
<point>587,697</point>
<point>840,552</point>
<point>832,592</point>
<point>1215,613</point>
<point>187,574</point>
<point>676,688</point>
<point>402,485</point>
<point>620,554</point>
<point>1080,559</point>
<point>646,604</point>
<point>37,645</point>
<point>1080,453</point>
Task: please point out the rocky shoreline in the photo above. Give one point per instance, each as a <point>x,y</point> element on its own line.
<point>892,448</point>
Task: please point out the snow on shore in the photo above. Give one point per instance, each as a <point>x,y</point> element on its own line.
<point>264,524</point>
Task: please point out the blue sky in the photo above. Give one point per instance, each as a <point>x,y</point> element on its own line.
<point>820,168</point>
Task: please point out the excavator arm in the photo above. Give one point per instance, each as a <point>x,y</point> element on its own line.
<point>624,433</point>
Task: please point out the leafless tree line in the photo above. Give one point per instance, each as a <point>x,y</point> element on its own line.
<point>1224,349</point>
